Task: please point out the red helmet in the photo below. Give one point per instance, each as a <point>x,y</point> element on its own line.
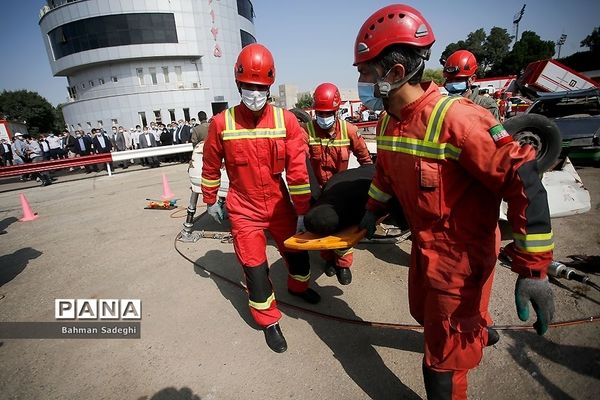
<point>255,65</point>
<point>327,97</point>
<point>460,64</point>
<point>394,24</point>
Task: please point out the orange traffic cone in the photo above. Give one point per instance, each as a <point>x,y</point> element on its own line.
<point>167,194</point>
<point>28,214</point>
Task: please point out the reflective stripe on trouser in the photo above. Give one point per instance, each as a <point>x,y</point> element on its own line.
<point>449,289</point>
<point>261,298</point>
<point>249,242</point>
<point>342,258</point>
<point>298,264</point>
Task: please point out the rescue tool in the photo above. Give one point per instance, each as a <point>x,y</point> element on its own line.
<point>161,204</point>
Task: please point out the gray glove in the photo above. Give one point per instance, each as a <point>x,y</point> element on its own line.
<point>368,222</point>
<point>537,291</point>
<point>300,224</point>
<point>217,211</point>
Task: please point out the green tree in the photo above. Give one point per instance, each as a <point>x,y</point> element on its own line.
<point>435,75</point>
<point>496,47</point>
<point>475,43</point>
<point>451,48</point>
<point>59,120</point>
<point>592,41</point>
<point>528,49</point>
<point>488,49</point>
<point>305,101</point>
<point>29,108</point>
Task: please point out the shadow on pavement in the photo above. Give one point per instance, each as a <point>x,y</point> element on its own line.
<point>171,393</point>
<point>6,222</point>
<point>13,264</point>
<point>579,359</point>
<point>389,253</point>
<point>353,347</point>
<point>227,265</point>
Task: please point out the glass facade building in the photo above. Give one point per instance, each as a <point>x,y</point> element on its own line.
<point>126,61</point>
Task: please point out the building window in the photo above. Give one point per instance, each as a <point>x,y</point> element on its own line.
<point>172,115</point>
<point>101,81</point>
<point>186,114</point>
<point>91,83</point>
<point>165,71</point>
<point>245,9</point>
<point>143,120</point>
<point>140,75</point>
<point>246,38</point>
<point>89,124</point>
<point>157,116</point>
<point>113,78</point>
<point>82,85</point>
<point>153,75</point>
<point>100,123</point>
<point>178,73</point>
<point>112,30</point>
<point>114,121</point>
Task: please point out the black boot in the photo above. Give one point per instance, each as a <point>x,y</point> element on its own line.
<point>329,269</point>
<point>309,296</point>
<point>493,337</point>
<point>274,338</point>
<point>438,385</point>
<point>344,275</point>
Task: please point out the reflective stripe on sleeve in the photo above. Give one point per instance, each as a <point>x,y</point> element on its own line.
<point>299,189</point>
<point>210,182</point>
<point>534,243</point>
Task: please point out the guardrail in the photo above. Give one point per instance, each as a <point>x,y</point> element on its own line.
<point>94,159</point>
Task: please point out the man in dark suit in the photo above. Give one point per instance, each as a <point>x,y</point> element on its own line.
<point>102,144</point>
<point>166,139</point>
<point>184,135</point>
<point>6,157</point>
<point>83,147</point>
<point>147,139</point>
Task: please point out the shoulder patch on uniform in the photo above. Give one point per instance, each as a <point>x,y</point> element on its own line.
<point>499,135</point>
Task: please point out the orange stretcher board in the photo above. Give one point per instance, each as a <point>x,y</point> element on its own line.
<point>341,240</point>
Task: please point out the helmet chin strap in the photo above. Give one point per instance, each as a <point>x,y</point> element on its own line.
<point>385,87</point>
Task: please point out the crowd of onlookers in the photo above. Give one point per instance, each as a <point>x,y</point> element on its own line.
<point>45,147</point>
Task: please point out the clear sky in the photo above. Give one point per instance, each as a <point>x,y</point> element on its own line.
<point>312,41</point>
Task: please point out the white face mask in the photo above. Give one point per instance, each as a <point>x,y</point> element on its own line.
<point>325,122</point>
<point>254,99</point>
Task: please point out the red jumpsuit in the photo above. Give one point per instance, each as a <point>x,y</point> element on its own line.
<point>450,165</point>
<point>329,154</point>
<point>255,154</point>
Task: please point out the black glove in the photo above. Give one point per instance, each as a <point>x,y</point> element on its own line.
<point>368,222</point>
<point>537,291</point>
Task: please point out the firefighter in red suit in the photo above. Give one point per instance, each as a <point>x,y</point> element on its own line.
<point>450,163</point>
<point>257,143</point>
<point>330,141</point>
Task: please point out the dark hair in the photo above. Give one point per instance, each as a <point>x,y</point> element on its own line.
<point>408,56</point>
<point>202,116</point>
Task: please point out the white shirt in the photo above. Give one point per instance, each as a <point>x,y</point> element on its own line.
<point>45,146</point>
<point>102,141</point>
<point>53,142</point>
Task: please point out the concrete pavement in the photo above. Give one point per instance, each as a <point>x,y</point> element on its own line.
<point>93,239</point>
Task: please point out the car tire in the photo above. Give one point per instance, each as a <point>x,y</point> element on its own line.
<point>301,115</point>
<point>540,132</point>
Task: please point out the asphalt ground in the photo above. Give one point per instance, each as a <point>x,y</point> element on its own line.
<point>94,239</point>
